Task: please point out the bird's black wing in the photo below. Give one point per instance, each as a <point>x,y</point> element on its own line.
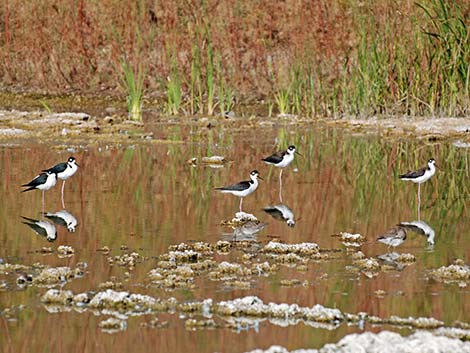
<point>274,212</point>
<point>40,179</point>
<point>413,228</point>
<point>414,174</point>
<point>275,158</point>
<point>56,219</point>
<point>33,225</point>
<point>243,185</point>
<point>58,168</point>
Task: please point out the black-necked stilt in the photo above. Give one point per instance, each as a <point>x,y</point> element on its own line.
<point>64,171</point>
<point>43,182</point>
<point>420,176</point>
<point>422,228</point>
<point>394,237</point>
<point>282,213</point>
<point>43,228</point>
<point>243,188</point>
<point>63,218</point>
<point>281,160</point>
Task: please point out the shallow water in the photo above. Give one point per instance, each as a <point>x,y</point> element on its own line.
<point>145,198</point>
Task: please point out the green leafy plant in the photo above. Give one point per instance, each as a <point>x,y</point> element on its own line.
<point>133,82</point>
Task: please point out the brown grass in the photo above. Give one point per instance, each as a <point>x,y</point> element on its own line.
<point>62,46</point>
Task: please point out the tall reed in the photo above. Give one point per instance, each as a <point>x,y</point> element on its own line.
<point>174,89</point>
<point>133,83</point>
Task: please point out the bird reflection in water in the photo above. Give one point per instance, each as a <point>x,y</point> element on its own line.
<point>246,231</point>
<point>63,218</point>
<point>391,259</point>
<point>41,227</point>
<point>422,228</point>
<point>281,213</point>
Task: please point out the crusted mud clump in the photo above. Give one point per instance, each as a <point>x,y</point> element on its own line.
<point>57,297</point>
<point>250,309</point>
<point>6,268</point>
<point>293,253</point>
<point>112,284</point>
<point>227,270</point>
<point>65,251</point>
<point>240,219</point>
<point>56,275</point>
<point>350,240</point>
<point>252,306</point>
<point>126,260</point>
<point>385,342</point>
<point>454,332</point>
<point>185,263</point>
<point>181,276</point>
<point>368,266</point>
<point>457,272</point>
<point>203,248</point>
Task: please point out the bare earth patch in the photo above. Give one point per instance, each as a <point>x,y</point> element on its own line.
<point>423,128</point>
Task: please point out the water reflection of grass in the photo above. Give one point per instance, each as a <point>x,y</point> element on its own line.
<point>148,198</point>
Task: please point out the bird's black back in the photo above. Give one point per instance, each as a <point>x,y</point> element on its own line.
<point>275,158</point>
<point>58,168</point>
<point>39,180</point>
<point>243,185</point>
<point>414,174</point>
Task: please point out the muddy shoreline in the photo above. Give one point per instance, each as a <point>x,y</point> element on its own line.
<point>80,127</point>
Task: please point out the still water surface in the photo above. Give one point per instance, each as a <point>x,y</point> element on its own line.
<point>147,197</point>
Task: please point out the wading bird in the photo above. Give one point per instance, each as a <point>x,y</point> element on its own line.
<point>44,181</point>
<point>393,237</point>
<point>281,160</point>
<point>64,171</point>
<point>243,188</point>
<point>420,176</point>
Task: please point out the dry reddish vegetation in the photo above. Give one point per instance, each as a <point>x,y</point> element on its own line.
<point>61,46</point>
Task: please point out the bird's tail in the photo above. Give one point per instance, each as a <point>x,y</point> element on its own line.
<point>29,219</point>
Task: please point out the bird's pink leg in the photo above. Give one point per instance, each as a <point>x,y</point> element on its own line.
<point>63,186</point>
<point>419,201</point>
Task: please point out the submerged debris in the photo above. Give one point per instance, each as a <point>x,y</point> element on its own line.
<point>113,325</point>
<point>155,323</point>
<point>193,324</point>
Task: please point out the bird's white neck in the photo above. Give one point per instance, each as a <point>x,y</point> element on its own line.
<point>432,168</point>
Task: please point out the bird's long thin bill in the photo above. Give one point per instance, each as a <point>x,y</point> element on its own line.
<point>260,178</point>
<point>301,155</point>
